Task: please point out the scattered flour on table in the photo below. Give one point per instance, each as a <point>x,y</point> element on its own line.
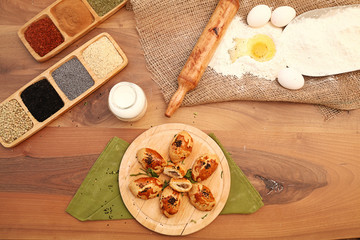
<point>222,63</point>
<point>326,44</point>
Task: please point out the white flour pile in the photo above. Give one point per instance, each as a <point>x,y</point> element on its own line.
<point>319,46</point>
<point>222,64</point>
<point>313,46</point>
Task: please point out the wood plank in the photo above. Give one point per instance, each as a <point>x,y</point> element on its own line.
<point>316,161</point>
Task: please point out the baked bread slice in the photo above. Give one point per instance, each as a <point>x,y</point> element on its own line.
<point>201,197</point>
<point>204,166</point>
<point>180,184</point>
<point>150,158</point>
<point>170,201</point>
<point>180,147</point>
<point>145,187</point>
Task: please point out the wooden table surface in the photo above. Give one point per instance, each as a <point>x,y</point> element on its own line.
<point>306,169</point>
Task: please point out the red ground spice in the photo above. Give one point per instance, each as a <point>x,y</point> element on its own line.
<point>43,36</point>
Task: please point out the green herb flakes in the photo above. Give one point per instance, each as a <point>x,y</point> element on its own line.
<point>102,7</point>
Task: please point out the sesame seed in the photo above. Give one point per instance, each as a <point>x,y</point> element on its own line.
<point>14,122</point>
<point>102,57</point>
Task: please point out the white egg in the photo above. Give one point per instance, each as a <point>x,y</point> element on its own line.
<point>291,79</point>
<point>259,16</point>
<point>282,16</point>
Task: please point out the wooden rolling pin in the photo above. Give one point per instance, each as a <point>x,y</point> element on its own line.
<point>203,51</point>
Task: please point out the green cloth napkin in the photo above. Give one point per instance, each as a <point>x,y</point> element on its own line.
<point>243,197</point>
<point>98,197</point>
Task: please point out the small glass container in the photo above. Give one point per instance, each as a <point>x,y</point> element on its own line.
<point>127,101</point>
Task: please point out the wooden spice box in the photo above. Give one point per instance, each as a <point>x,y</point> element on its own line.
<point>67,103</point>
<point>72,18</point>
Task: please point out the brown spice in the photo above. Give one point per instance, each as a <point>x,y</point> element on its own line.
<point>72,16</point>
<point>14,122</point>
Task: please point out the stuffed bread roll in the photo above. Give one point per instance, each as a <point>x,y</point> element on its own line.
<point>204,166</point>
<point>150,158</point>
<point>180,184</point>
<point>170,201</point>
<point>145,187</point>
<point>180,147</point>
<point>201,197</point>
<point>175,170</point>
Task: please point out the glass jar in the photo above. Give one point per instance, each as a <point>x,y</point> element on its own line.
<point>127,101</point>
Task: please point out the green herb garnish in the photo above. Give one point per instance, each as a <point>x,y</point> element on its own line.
<point>137,174</point>
<point>152,173</point>
<point>149,172</point>
<point>204,216</point>
<point>192,220</point>
<point>188,176</point>
<point>166,183</point>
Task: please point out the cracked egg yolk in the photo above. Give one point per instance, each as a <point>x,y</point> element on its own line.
<point>260,47</point>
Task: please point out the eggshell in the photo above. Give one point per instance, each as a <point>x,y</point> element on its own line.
<point>282,16</point>
<point>291,79</point>
<point>259,16</point>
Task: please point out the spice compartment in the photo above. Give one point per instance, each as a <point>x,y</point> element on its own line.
<point>56,90</point>
<point>66,21</point>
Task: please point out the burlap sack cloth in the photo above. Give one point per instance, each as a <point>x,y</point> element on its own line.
<point>169,30</point>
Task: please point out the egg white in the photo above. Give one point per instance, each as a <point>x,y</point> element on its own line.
<point>268,70</point>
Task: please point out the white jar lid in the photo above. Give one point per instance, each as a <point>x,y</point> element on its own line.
<point>127,101</point>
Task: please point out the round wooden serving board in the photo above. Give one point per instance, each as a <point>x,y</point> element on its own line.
<point>188,219</point>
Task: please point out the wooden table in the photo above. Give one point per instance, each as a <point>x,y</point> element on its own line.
<point>306,169</point>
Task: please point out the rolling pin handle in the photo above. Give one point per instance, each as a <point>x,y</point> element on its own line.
<point>203,51</point>
<point>176,100</point>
